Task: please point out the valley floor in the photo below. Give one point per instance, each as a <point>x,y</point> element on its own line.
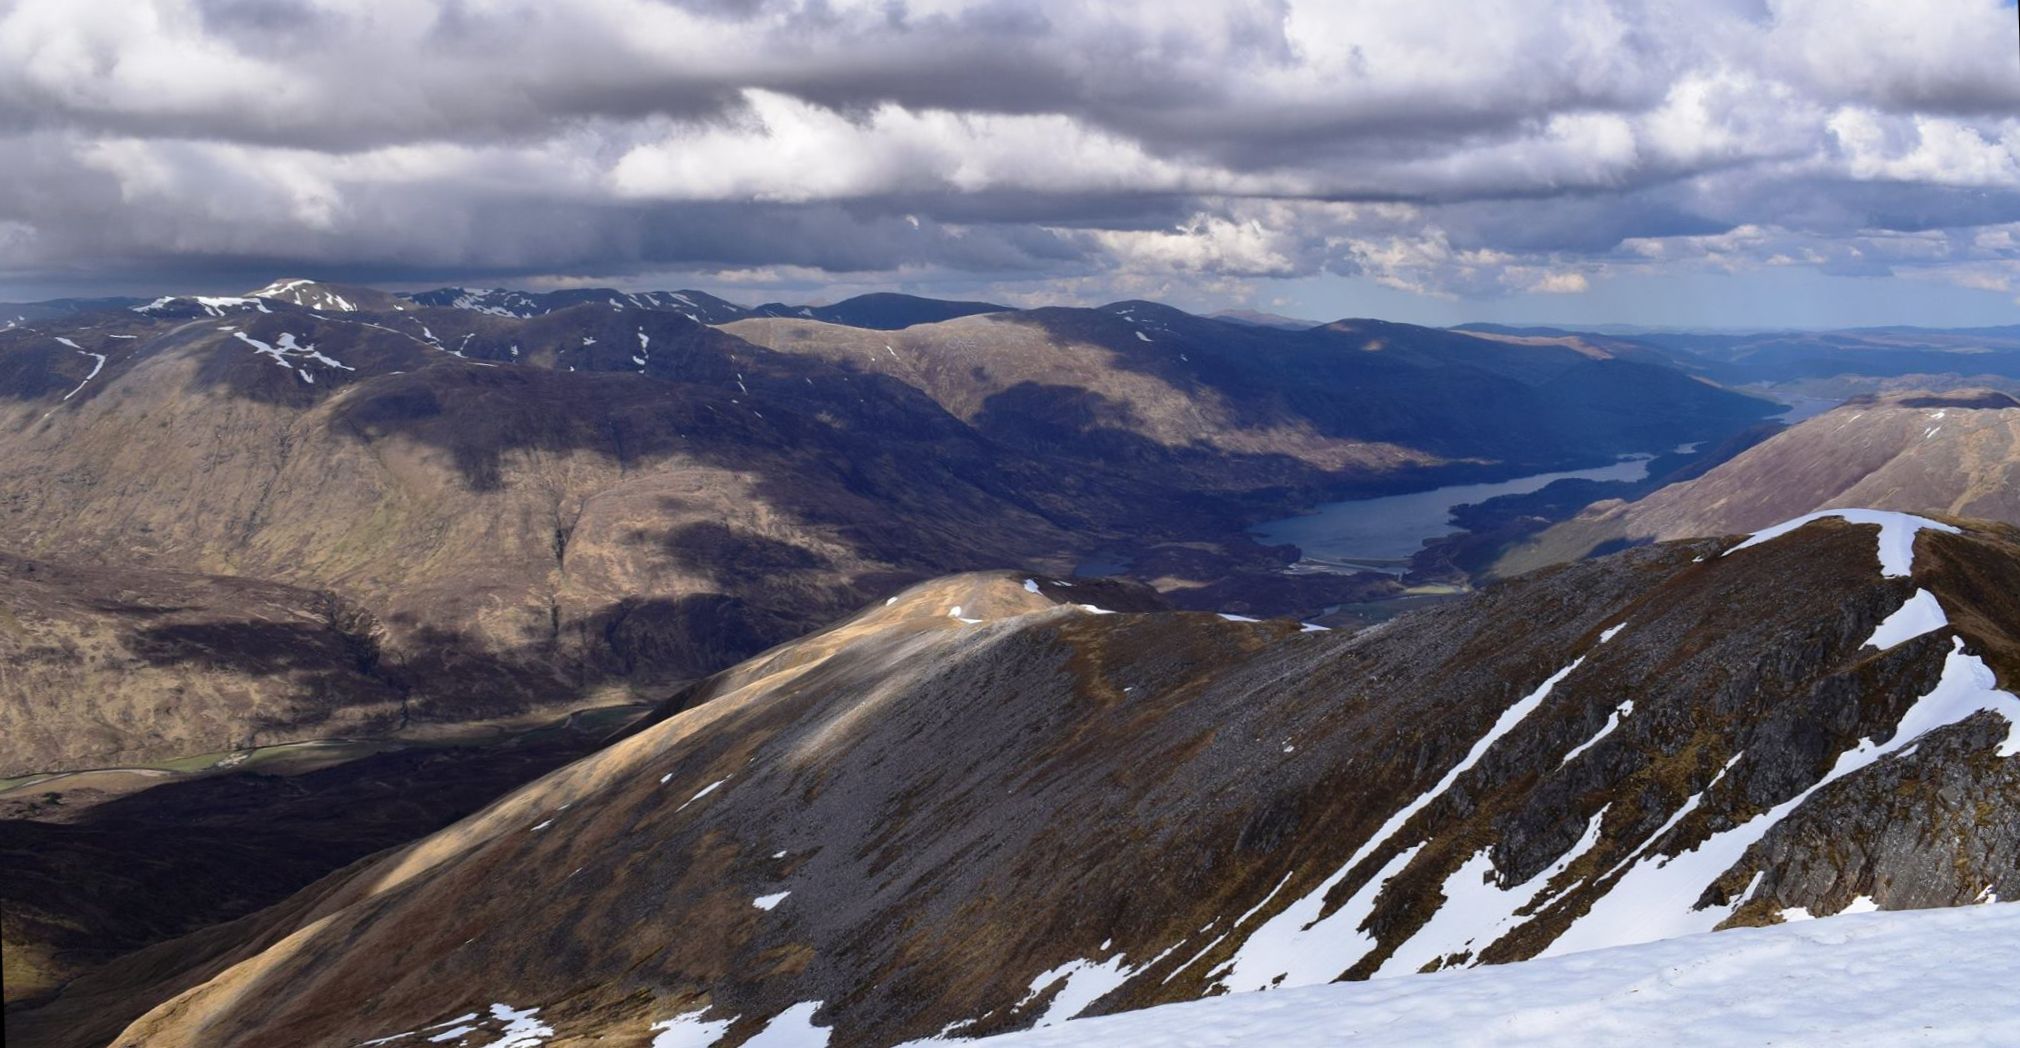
<point>1925,977</point>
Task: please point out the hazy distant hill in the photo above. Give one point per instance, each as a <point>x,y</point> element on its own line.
<point>885,311</point>
<point>1954,453</point>
<point>1786,357</point>
<point>881,311</point>
<point>17,314</point>
<point>1261,319</point>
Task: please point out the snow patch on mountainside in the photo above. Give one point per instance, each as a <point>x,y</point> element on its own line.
<point>1612,721</point>
<point>1897,534</point>
<point>215,306</point>
<point>1477,910</point>
<point>98,365</point>
<point>289,353</point>
<point>1296,947</point>
<point>1921,614</point>
<point>792,1028</point>
<point>1906,977</point>
<point>1657,897</point>
<point>689,1031</point>
<point>307,294</point>
<point>504,1027</point>
<point>705,791</point>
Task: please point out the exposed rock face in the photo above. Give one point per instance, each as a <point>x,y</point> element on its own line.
<point>1955,453</point>
<point>104,667</point>
<point>985,806</point>
<point>603,498</point>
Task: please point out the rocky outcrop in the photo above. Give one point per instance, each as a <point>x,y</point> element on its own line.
<point>988,805</point>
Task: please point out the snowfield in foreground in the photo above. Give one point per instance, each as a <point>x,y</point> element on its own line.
<point>1942,977</point>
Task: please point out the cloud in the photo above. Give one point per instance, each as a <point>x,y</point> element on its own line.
<point>1204,244</point>
<point>1927,149</point>
<point>1560,283</point>
<point>1530,146</point>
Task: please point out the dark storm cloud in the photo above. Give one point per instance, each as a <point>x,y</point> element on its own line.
<point>1525,146</point>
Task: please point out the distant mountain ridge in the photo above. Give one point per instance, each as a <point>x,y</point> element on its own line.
<point>700,307</point>
<point>1955,453</point>
<point>21,314</point>
<point>1790,357</point>
<point>1262,319</point>
<point>608,498</point>
<point>1352,392</point>
<point>881,310</point>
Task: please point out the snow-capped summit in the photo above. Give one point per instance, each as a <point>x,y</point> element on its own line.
<point>182,307</point>
<point>326,298</point>
<point>700,307</point>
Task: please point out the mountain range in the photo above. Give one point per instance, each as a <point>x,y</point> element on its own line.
<point>997,802</point>
<point>491,667</point>
<point>1956,453</point>
<point>603,499</point>
<point>1833,365</point>
<point>887,311</point>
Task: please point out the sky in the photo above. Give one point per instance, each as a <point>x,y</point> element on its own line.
<point>1681,163</point>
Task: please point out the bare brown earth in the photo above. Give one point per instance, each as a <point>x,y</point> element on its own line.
<point>1955,453</point>
<point>958,808</point>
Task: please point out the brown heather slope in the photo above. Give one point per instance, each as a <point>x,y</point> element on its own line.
<point>527,535</point>
<point>926,823</point>
<point>1358,396</point>
<point>1954,453</point>
<point>101,667</point>
<point>1004,371</point>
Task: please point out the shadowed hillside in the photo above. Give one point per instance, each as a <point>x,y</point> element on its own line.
<point>989,804</point>
<point>1955,453</point>
<point>602,498</point>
